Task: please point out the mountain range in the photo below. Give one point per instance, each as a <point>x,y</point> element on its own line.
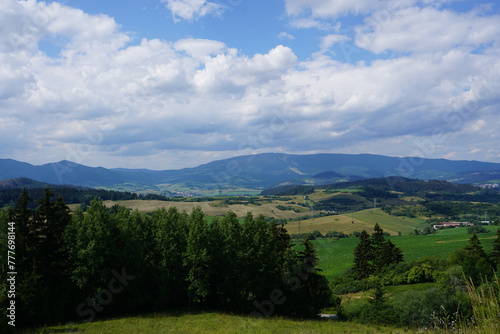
<point>252,173</point>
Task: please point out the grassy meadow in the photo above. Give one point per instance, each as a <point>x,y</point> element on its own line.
<point>357,221</point>
<point>337,256</point>
<point>214,322</point>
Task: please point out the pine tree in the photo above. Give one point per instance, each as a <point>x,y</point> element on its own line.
<point>23,217</point>
<point>390,254</point>
<point>378,241</point>
<point>475,249</point>
<point>314,292</point>
<point>476,263</point>
<point>282,241</point>
<point>363,255</point>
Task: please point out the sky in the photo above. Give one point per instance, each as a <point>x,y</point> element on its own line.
<point>168,84</point>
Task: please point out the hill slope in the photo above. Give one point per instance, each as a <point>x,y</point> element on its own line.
<point>253,172</point>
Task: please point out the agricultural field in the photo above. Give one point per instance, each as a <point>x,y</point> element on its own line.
<point>288,208</point>
<point>337,256</point>
<point>357,221</point>
<point>217,207</point>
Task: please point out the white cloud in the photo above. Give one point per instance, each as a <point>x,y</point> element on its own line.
<point>192,9</point>
<point>427,29</point>
<point>329,8</point>
<point>330,40</point>
<point>104,99</point>
<point>310,23</point>
<point>285,35</point>
<point>335,8</point>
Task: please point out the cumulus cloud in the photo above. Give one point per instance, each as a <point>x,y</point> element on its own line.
<point>108,100</point>
<point>428,29</point>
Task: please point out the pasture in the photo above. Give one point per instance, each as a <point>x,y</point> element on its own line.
<point>337,256</point>
<point>357,221</point>
<point>221,323</point>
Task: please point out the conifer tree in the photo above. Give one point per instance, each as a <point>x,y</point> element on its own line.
<point>495,253</point>
<point>363,255</point>
<point>390,254</point>
<point>476,263</point>
<point>378,241</point>
<point>314,292</point>
<point>475,249</point>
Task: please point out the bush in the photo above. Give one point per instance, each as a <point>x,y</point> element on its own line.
<point>345,283</point>
<point>376,310</point>
<point>476,229</point>
<point>428,308</point>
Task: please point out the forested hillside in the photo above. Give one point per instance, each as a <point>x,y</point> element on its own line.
<point>73,266</point>
<point>10,190</point>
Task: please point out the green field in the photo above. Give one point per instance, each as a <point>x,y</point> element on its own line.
<point>212,322</point>
<point>357,221</point>
<point>337,256</point>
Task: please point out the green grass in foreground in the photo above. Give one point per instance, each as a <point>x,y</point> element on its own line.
<point>212,322</point>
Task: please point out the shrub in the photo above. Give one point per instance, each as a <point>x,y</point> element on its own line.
<point>476,229</point>
<point>429,308</point>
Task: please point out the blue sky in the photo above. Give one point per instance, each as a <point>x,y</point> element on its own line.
<point>165,84</point>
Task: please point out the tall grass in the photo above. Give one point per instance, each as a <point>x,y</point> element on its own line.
<point>485,301</point>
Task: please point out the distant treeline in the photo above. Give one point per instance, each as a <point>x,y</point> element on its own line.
<point>382,187</point>
<point>455,209</point>
<point>72,195</point>
<point>81,266</point>
<point>290,190</point>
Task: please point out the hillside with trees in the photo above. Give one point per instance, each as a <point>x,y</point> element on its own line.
<point>72,265</point>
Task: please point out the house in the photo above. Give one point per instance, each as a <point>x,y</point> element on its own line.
<point>451,225</point>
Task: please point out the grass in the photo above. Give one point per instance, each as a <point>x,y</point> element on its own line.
<point>390,291</point>
<point>214,322</point>
<point>363,220</point>
<point>337,256</point>
<point>485,302</point>
<point>213,208</point>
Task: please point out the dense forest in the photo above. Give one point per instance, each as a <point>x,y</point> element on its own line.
<point>72,195</point>
<point>385,184</point>
<point>81,266</point>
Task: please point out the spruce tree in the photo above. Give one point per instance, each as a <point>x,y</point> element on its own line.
<point>314,292</point>
<point>378,241</point>
<point>390,254</point>
<point>475,249</point>
<point>476,263</point>
<point>363,255</point>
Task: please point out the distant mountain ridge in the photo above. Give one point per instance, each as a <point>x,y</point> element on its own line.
<point>256,172</point>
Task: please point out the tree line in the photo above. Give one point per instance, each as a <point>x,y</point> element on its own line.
<point>80,266</point>
<point>72,194</point>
